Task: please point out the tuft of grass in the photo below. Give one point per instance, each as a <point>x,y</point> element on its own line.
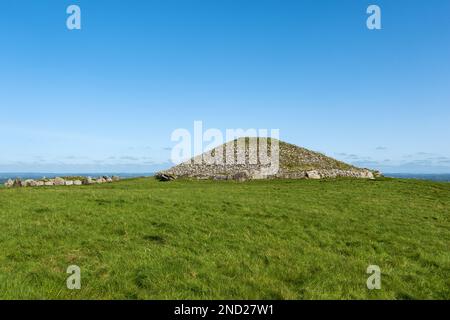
<point>275,239</point>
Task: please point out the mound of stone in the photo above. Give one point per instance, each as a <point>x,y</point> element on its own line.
<point>246,159</point>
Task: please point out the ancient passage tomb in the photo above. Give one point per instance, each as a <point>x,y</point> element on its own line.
<point>263,158</point>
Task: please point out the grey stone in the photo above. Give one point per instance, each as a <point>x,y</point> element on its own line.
<point>164,177</point>
<point>59,181</point>
<point>241,176</point>
<point>221,177</point>
<point>18,183</point>
<point>29,183</point>
<point>9,183</point>
<point>313,174</point>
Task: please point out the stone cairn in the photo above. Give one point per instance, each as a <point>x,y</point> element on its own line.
<point>291,162</point>
<point>69,181</point>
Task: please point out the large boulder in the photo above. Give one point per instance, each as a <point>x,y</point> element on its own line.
<point>377,174</point>
<point>29,183</point>
<point>241,176</point>
<point>77,182</point>
<point>9,183</point>
<point>18,183</point>
<point>164,177</point>
<point>367,175</point>
<point>34,183</point>
<point>220,177</point>
<point>313,174</point>
<point>101,180</point>
<point>59,181</point>
<point>69,183</point>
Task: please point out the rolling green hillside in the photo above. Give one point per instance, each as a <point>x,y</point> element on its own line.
<point>268,239</point>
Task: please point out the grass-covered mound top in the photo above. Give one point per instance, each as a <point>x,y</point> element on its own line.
<point>266,239</point>
<point>283,160</point>
<point>294,158</point>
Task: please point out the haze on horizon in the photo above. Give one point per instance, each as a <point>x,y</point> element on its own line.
<point>106,98</point>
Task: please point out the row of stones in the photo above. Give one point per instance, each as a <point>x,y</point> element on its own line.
<point>17,183</point>
<point>243,175</point>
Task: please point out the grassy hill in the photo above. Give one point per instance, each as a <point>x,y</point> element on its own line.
<point>277,239</point>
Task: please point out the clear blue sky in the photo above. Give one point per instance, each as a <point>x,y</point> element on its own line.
<point>107,97</point>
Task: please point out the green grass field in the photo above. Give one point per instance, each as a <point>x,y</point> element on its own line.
<point>143,239</point>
